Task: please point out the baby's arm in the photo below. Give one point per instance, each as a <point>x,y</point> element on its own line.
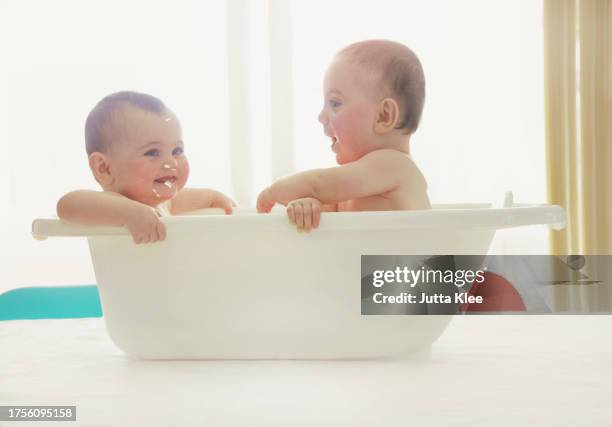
<point>86,207</point>
<point>372,174</point>
<point>190,199</point>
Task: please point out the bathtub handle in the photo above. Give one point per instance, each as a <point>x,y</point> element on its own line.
<point>452,216</point>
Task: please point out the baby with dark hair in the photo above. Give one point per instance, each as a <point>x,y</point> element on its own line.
<point>374,93</point>
<point>136,153</point>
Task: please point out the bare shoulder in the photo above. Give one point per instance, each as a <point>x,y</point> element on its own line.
<point>397,163</point>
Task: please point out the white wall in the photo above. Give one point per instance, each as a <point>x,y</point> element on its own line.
<point>482,130</point>
<point>481,134</point>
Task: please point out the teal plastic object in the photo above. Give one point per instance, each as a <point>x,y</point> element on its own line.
<point>56,302</point>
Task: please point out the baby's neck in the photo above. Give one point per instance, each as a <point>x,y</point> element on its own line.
<point>397,142</point>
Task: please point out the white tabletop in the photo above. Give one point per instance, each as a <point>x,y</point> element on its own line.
<point>484,371</point>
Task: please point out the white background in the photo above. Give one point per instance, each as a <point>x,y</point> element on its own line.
<point>482,131</point>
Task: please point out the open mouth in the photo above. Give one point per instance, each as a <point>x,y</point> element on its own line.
<point>168,181</point>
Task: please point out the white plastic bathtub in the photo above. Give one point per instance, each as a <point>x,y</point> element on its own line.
<point>249,286</point>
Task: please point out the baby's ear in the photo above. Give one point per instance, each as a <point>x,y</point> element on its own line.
<point>100,166</point>
<point>388,116</point>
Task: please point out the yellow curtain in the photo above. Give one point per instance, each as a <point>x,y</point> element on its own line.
<point>578,106</point>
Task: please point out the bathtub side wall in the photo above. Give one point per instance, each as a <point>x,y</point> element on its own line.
<point>262,294</point>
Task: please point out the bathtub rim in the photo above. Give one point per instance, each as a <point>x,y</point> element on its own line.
<point>441,216</point>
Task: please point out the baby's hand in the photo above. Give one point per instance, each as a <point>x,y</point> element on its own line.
<point>304,213</point>
<point>144,224</point>
<point>265,201</point>
<point>220,200</point>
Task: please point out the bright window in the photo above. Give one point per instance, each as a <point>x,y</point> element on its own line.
<point>482,131</point>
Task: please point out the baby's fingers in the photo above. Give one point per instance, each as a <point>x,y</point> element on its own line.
<point>225,203</point>
<point>265,202</point>
<point>291,213</point>
<point>316,215</point>
<point>161,230</point>
<point>137,238</point>
<point>227,207</point>
<point>140,237</point>
<point>148,236</point>
<point>299,216</point>
<point>307,217</point>
<point>263,206</point>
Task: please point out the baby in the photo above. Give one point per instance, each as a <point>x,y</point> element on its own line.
<point>373,98</point>
<point>136,154</point>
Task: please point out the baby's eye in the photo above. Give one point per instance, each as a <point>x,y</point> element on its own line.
<point>178,151</point>
<point>334,104</point>
<point>152,153</point>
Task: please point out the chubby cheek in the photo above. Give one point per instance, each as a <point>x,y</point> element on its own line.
<point>350,128</point>
<point>143,172</point>
<point>342,124</point>
<point>139,186</point>
<point>130,175</point>
<point>183,167</point>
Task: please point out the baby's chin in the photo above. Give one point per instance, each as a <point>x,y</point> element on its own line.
<point>165,191</point>
<point>343,159</point>
<point>153,198</point>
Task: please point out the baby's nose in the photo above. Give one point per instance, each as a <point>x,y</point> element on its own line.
<point>322,118</point>
<point>170,163</point>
